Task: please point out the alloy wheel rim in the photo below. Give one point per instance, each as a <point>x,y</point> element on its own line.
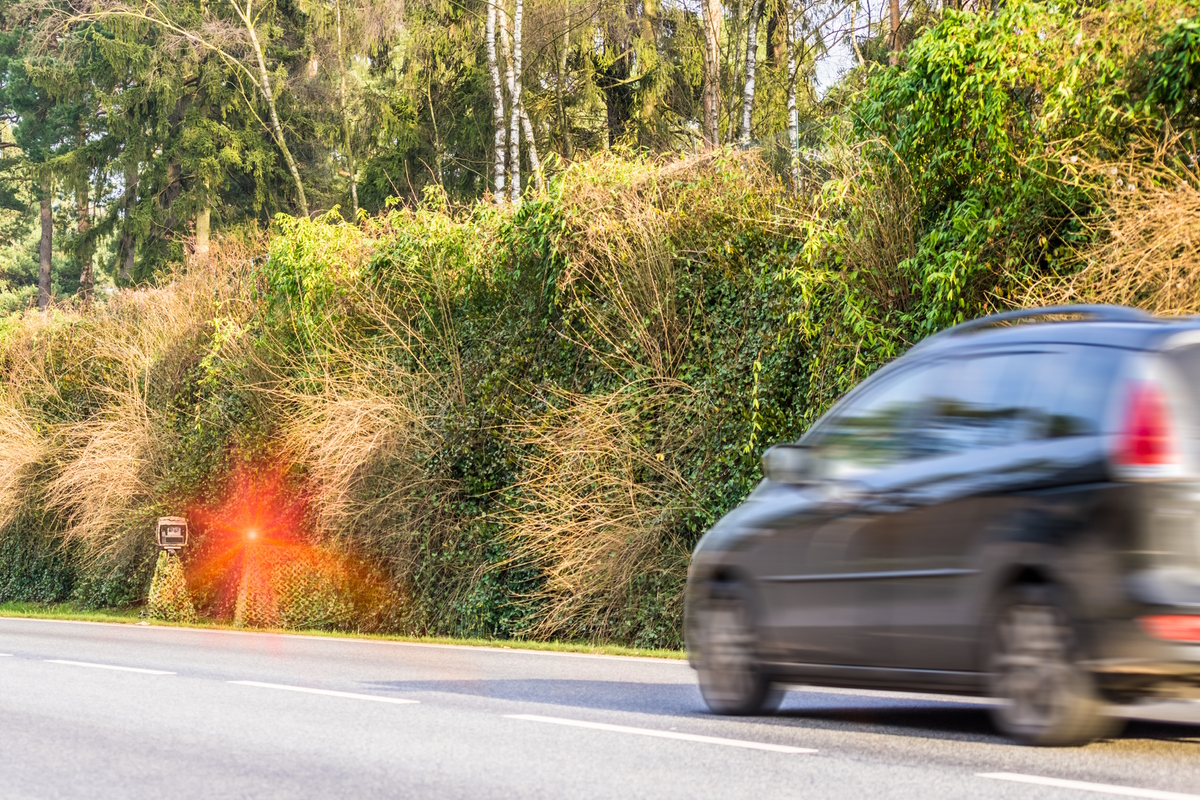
<point>1032,665</point>
<point>729,656</point>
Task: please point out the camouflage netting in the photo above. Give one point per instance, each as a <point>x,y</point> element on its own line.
<point>169,598</point>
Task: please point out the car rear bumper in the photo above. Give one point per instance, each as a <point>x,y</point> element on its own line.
<point>1131,663</point>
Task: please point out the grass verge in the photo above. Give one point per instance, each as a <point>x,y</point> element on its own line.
<point>131,616</point>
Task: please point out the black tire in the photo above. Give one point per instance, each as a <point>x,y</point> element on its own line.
<point>1047,698</point>
<point>732,678</point>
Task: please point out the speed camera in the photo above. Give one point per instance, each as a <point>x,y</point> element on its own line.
<point>171,533</point>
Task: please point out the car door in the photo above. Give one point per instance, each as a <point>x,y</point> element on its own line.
<point>811,567</point>
<point>925,564</point>
<point>1002,429</point>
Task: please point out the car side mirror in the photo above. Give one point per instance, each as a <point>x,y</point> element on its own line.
<point>789,463</point>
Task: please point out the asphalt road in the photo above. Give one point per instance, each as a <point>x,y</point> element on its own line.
<point>96,711</point>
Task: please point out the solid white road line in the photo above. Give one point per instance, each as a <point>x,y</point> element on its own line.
<point>1084,786</point>
<point>107,666</point>
<point>686,737</point>
<point>327,692</point>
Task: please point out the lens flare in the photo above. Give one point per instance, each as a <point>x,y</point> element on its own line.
<point>254,562</point>
<point>256,523</point>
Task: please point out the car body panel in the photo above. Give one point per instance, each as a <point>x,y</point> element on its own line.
<point>887,577</point>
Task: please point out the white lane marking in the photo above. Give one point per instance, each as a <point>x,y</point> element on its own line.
<point>686,737</point>
<point>108,666</point>
<point>5,655</point>
<point>327,692</point>
<point>1084,786</point>
<point>498,647</point>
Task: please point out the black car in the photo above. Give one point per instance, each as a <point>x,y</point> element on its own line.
<point>1010,509</point>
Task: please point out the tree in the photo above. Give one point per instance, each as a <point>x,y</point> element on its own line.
<point>712,15</point>
<point>228,30</point>
<point>751,63</point>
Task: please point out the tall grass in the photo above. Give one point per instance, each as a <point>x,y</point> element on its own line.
<point>81,439</point>
<point>598,510</point>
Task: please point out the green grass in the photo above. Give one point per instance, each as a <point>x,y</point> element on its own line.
<point>129,616</point>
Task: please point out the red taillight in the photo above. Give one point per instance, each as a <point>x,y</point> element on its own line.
<point>1146,439</point>
<point>1175,628</point>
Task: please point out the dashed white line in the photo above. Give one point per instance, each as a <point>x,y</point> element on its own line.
<point>327,692</point>
<point>1084,786</point>
<point>108,666</point>
<point>686,737</point>
<point>5,655</point>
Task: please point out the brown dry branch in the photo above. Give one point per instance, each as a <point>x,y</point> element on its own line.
<point>362,417</point>
<point>1147,251</point>
<point>621,254</point>
<point>597,511</point>
<point>867,218</point>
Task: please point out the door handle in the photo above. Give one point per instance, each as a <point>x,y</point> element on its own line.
<point>889,502</point>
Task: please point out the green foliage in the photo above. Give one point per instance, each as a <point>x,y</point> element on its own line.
<point>958,180</point>
<point>1173,79</point>
<point>32,568</point>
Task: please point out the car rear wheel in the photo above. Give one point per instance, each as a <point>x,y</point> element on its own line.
<point>732,678</point>
<point>1046,697</point>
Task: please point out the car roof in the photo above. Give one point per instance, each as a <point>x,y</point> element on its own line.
<point>1105,326</point>
<point>1110,326</point>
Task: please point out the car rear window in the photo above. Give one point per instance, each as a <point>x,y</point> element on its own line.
<point>1082,378</point>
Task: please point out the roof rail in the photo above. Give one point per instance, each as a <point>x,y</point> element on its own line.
<point>1095,313</point>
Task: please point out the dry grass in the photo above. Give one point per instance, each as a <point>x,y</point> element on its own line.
<point>104,479</point>
<point>597,511</point>
<point>23,447</point>
<point>107,458</point>
<point>1147,253</point>
<point>623,273</point>
<point>363,419</point>
<point>363,444</point>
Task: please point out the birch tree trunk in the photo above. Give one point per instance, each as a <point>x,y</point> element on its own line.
<point>350,165</point>
<point>793,114</point>
<point>711,14</point>
<point>862,62</point>
<point>751,62</point>
<point>512,54</point>
<point>498,140</point>
<point>247,18</point>
<point>535,163</point>
<point>45,246</point>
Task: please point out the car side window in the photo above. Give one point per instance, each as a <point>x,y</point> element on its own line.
<point>874,430</point>
<point>1000,399</point>
<point>1082,381</point>
<point>967,407</point>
